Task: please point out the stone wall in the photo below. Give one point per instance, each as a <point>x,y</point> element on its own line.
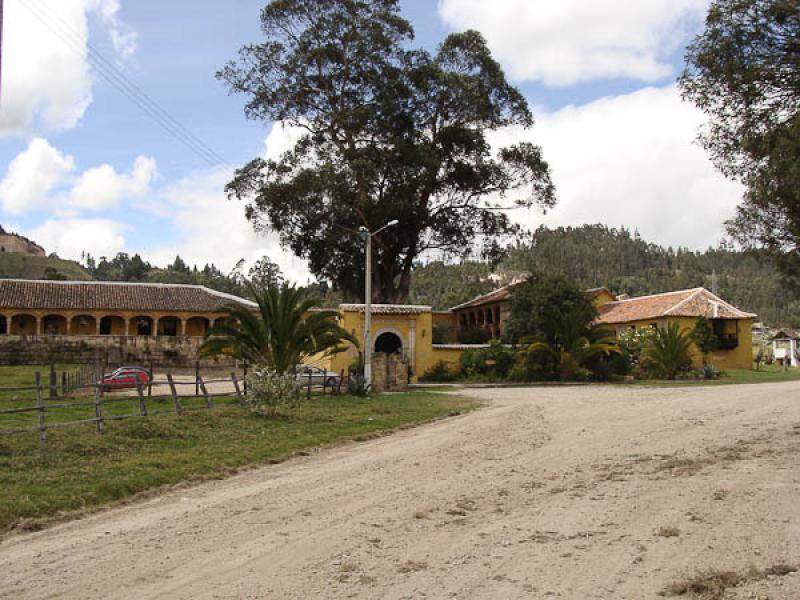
<point>162,351</point>
<point>389,373</point>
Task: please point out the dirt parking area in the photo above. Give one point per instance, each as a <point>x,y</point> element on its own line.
<point>576,492</point>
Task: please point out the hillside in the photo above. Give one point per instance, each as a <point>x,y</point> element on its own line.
<point>596,255</point>
<point>23,266</point>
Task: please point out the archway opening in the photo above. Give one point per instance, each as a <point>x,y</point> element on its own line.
<point>3,325</point>
<point>83,325</point>
<point>113,325</point>
<point>22,325</point>
<point>197,326</point>
<point>142,326</point>
<point>169,326</point>
<point>388,343</point>
<point>54,325</point>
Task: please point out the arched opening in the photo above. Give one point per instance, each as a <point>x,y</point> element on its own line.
<point>197,326</point>
<point>388,343</point>
<point>3,325</point>
<point>112,325</point>
<point>22,325</point>
<point>169,326</point>
<point>83,325</point>
<point>142,326</point>
<point>54,325</point>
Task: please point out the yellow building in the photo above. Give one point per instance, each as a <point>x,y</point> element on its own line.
<point>93,308</point>
<point>732,327</point>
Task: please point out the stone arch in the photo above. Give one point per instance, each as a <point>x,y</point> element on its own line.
<point>55,325</point>
<point>389,342</point>
<point>197,326</point>
<point>83,325</point>
<point>112,325</point>
<point>142,325</point>
<point>23,324</point>
<point>169,326</point>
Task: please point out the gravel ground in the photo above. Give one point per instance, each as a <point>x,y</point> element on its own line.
<point>577,492</point>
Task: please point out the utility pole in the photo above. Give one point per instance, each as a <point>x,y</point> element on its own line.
<point>367,236</point>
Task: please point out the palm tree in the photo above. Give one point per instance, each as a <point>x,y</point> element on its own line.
<point>670,350</point>
<point>287,328</point>
<point>576,343</point>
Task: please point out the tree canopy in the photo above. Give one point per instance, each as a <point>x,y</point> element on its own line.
<point>391,132</point>
<point>744,72</point>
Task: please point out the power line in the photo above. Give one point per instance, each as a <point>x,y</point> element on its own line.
<point>123,84</point>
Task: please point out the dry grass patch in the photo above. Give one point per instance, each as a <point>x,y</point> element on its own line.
<point>712,584</point>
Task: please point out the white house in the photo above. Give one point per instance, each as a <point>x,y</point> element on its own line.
<point>785,346</point>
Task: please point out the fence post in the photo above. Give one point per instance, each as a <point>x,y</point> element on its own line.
<point>98,408</point>
<point>202,385</point>
<point>244,377</point>
<point>308,392</point>
<point>53,382</point>
<point>197,378</point>
<point>339,384</point>
<point>140,393</point>
<point>40,408</point>
<point>174,391</point>
<point>237,388</point>
<point>63,383</point>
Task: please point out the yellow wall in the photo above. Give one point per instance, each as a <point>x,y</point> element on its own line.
<point>451,356</point>
<point>602,297</point>
<point>740,357</point>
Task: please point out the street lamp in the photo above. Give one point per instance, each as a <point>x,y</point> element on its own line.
<point>367,236</point>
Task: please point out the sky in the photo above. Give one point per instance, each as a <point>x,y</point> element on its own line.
<point>84,169</point>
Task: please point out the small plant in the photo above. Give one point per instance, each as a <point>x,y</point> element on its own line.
<point>357,385</point>
<point>439,373</point>
<point>269,391</point>
<point>709,372</point>
<point>669,351</point>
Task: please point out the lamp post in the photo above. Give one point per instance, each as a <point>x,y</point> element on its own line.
<point>367,236</point>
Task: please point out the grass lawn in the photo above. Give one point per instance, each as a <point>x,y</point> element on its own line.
<point>767,374</point>
<point>79,469</point>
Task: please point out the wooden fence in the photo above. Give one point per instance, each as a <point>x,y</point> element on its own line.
<point>99,401</point>
<point>86,382</point>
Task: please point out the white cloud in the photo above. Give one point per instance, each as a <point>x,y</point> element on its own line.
<point>210,229</point>
<point>631,160</point>
<point>71,237</point>
<point>32,175</point>
<point>42,177</point>
<point>102,187</point>
<point>563,42</point>
<point>282,138</point>
<point>47,82</point>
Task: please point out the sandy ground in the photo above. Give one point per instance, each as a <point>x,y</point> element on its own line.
<point>548,492</point>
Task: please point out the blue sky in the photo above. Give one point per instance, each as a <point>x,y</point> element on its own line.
<point>82,168</point>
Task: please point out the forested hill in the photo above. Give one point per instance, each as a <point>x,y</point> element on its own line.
<point>596,255</point>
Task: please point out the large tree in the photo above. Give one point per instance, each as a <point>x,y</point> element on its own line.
<point>744,72</point>
<point>391,132</point>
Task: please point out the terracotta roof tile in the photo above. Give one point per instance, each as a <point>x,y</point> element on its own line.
<point>387,309</point>
<point>495,296</point>
<point>697,302</point>
<point>95,295</point>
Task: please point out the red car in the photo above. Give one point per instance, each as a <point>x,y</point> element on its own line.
<point>125,378</point>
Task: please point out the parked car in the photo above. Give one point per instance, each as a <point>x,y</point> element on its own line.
<point>125,378</point>
<point>319,376</point>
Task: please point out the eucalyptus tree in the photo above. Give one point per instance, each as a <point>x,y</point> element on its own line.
<point>390,131</point>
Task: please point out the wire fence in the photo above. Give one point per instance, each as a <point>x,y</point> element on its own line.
<point>85,398</point>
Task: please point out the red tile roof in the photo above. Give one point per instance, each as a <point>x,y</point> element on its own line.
<point>697,302</point>
<point>109,296</point>
<point>496,296</point>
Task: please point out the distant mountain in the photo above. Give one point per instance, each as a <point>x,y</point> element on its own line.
<point>15,265</point>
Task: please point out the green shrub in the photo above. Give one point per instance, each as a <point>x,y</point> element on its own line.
<point>494,361</point>
<point>669,352</point>
<point>357,385</point>
<point>473,335</point>
<point>439,373</point>
<point>269,391</point>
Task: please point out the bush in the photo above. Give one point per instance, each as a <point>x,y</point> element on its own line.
<point>357,385</point>
<point>442,333</point>
<point>495,361</point>
<point>611,368</point>
<point>537,366</point>
<point>269,391</point>
<point>439,373</point>
<point>473,335</point>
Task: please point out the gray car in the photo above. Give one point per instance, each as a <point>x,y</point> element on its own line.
<point>318,375</point>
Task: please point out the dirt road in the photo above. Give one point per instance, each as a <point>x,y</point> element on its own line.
<point>578,492</point>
